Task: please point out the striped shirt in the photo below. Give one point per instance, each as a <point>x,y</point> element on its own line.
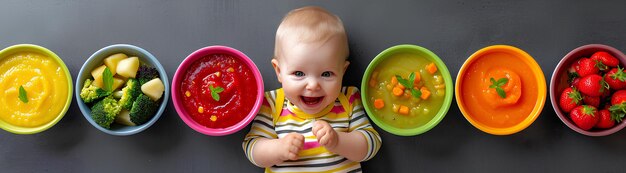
<point>345,115</point>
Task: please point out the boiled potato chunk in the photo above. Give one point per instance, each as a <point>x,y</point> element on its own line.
<point>113,60</point>
<point>153,89</point>
<point>128,67</point>
<point>124,118</point>
<point>117,82</point>
<point>97,76</point>
<point>98,82</point>
<point>97,73</point>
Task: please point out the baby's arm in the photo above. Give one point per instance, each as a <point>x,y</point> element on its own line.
<point>268,152</point>
<point>262,146</point>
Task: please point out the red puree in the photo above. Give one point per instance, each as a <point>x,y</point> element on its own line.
<point>235,102</point>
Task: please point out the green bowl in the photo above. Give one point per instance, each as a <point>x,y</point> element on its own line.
<point>66,102</point>
<point>421,52</point>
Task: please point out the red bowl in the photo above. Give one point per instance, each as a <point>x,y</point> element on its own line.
<point>558,83</point>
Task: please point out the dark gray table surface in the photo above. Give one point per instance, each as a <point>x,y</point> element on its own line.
<point>453,30</point>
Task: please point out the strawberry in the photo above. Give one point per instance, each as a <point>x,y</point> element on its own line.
<point>605,58</point>
<point>618,97</point>
<point>593,101</point>
<point>618,105</point>
<point>605,120</point>
<point>592,85</point>
<point>586,67</point>
<point>570,98</point>
<point>616,78</point>
<point>584,116</point>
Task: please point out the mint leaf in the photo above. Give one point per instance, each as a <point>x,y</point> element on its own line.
<point>409,84</point>
<point>23,97</point>
<point>107,79</point>
<point>404,82</point>
<point>501,92</point>
<point>215,92</point>
<point>416,93</point>
<point>502,81</point>
<point>498,85</point>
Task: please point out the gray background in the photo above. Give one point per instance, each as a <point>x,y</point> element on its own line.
<point>171,30</point>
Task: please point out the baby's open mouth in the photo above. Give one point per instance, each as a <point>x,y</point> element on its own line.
<point>311,100</point>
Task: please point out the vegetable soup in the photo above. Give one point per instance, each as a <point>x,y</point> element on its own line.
<point>407,90</point>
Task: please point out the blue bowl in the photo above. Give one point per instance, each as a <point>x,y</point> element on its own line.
<point>96,60</point>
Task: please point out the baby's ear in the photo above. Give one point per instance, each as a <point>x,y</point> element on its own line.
<point>276,69</point>
<point>345,66</point>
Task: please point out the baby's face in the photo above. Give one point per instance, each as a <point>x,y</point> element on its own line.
<point>311,74</point>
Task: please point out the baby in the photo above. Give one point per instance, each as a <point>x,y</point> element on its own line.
<point>311,124</point>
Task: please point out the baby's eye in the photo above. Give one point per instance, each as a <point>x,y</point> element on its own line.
<point>326,74</point>
<point>298,73</point>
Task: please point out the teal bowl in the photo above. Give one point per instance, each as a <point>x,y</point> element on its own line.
<point>382,117</point>
<point>96,60</point>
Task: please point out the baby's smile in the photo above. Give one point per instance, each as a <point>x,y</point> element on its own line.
<point>311,101</point>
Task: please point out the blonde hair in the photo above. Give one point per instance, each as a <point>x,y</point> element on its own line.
<point>310,24</point>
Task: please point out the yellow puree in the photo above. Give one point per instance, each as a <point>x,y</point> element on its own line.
<point>45,83</point>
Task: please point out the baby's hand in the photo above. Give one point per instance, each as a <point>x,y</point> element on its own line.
<point>326,135</point>
<point>289,146</point>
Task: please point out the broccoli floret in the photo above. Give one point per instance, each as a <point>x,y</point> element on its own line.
<point>130,93</point>
<point>104,111</point>
<point>143,109</point>
<point>146,73</point>
<point>91,93</point>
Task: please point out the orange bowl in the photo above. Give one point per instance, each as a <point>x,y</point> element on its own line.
<point>483,108</point>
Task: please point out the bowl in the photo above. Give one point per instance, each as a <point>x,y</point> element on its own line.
<point>95,60</point>
<point>417,56</point>
<point>558,83</point>
<point>179,102</point>
<point>59,109</point>
<point>481,105</point>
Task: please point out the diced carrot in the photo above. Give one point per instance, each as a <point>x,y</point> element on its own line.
<point>417,78</point>
<point>397,91</point>
<point>394,80</point>
<point>379,103</point>
<point>373,83</point>
<point>400,86</point>
<point>425,93</point>
<point>431,68</point>
<point>403,110</point>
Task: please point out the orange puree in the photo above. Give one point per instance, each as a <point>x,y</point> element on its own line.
<point>513,88</point>
<point>484,103</point>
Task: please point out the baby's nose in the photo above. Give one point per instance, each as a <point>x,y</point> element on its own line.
<point>312,84</point>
